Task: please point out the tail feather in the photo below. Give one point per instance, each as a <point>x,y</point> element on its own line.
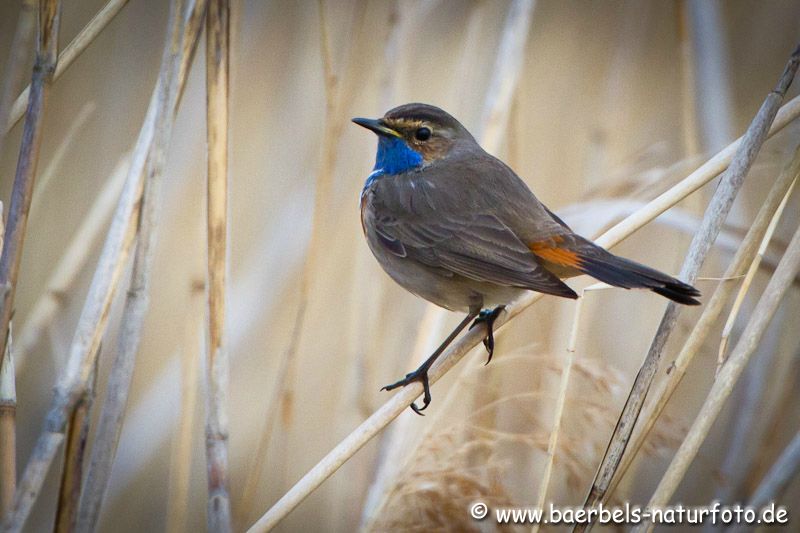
<point>628,274</point>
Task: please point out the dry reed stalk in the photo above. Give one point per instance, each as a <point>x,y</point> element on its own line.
<point>405,396</point>
<point>561,399</point>
<point>70,264</point>
<point>721,202</point>
<point>783,471</point>
<point>337,99</point>
<point>186,22</point>
<point>8,416</point>
<point>180,470</point>
<point>14,231</point>
<point>21,194</point>
<point>748,279</point>
<point>68,55</point>
<point>94,316</point>
<point>72,475</point>
<point>711,312</point>
<point>728,376</point>
<point>8,429</point>
<point>15,68</point>
<point>217,362</point>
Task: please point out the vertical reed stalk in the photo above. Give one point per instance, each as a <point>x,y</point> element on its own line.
<point>8,417</point>
<point>217,365</point>
<point>21,194</point>
<point>717,211</point>
<point>185,27</point>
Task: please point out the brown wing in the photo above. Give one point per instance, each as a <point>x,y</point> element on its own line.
<point>419,220</point>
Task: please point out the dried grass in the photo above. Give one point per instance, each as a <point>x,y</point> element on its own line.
<point>492,453</point>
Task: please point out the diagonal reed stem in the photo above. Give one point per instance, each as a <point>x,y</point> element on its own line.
<point>776,480</point>
<point>8,416</point>
<point>728,376</point>
<point>744,255</point>
<point>730,183</point>
<point>21,194</point>
<point>67,56</point>
<point>185,24</point>
<point>403,398</point>
<point>74,453</point>
<point>94,316</point>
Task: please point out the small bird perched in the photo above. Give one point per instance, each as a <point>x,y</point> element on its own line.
<point>456,226</point>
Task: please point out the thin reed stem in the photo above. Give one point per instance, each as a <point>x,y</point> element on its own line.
<point>21,194</point>
<point>776,481</point>
<point>711,312</point>
<point>8,417</point>
<point>185,26</point>
<point>8,429</point>
<point>15,68</point>
<point>217,363</point>
<point>717,211</point>
<point>94,316</point>
<point>74,452</point>
<point>744,288</point>
<point>780,282</point>
<point>68,55</point>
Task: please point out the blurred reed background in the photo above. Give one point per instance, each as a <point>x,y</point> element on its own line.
<point>599,106</point>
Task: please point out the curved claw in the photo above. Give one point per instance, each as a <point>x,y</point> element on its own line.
<point>420,375</point>
<point>488,316</point>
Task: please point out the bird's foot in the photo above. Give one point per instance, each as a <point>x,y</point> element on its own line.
<point>488,316</point>
<point>421,375</point>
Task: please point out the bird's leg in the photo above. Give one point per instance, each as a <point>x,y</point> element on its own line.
<point>421,373</point>
<point>488,316</point>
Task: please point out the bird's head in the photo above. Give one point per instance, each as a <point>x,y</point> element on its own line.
<point>413,136</point>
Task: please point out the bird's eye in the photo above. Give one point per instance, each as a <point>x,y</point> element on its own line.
<point>423,134</point>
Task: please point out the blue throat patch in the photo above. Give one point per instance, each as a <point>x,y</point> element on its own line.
<point>394,157</point>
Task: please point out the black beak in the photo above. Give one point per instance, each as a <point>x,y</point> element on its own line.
<point>376,125</point>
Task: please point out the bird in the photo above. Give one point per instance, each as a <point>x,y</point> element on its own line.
<point>456,226</point>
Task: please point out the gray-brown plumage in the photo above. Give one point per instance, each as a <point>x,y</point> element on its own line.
<point>456,226</point>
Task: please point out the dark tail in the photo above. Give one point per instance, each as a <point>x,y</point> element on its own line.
<point>627,274</point>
